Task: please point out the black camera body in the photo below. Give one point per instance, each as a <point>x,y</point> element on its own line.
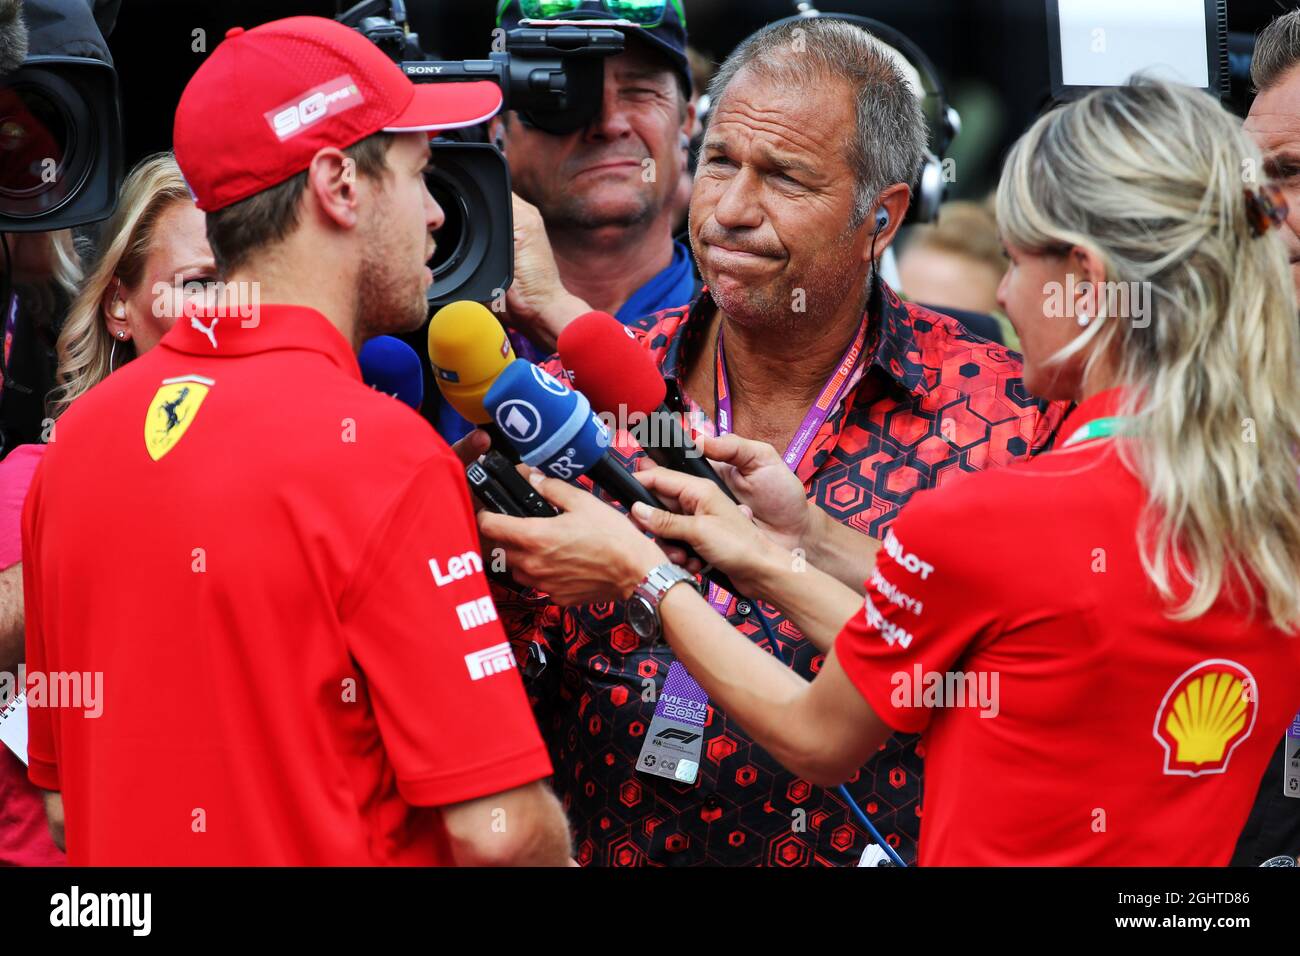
<point>475,252</point>
<point>60,141</point>
<point>551,75</point>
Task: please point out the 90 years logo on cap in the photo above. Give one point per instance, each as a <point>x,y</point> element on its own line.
<point>328,99</point>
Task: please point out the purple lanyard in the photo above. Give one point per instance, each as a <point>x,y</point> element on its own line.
<point>7,337</point>
<point>831,395</point>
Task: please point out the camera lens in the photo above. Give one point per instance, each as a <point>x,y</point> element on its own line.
<point>451,238</point>
<point>475,246</point>
<point>43,162</point>
<point>33,138</point>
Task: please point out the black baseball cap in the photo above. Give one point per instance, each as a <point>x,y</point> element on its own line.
<point>668,36</point>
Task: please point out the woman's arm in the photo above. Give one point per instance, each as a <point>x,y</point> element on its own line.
<point>11,617</point>
<point>769,490</point>
<point>823,731</point>
<point>818,604</point>
<point>845,554</point>
<point>722,534</point>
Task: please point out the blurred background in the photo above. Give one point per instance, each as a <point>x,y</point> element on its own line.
<point>992,55</point>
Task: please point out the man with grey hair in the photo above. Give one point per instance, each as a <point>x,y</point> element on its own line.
<point>1272,833</point>
<point>1274,119</point>
<point>803,181</point>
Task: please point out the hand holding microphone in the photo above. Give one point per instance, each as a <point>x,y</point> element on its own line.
<point>555,431</point>
<point>590,553</point>
<point>469,349</point>
<point>766,489</point>
<point>618,375</point>
<point>720,531</point>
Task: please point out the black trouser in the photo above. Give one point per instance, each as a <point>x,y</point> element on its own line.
<point>1273,827</point>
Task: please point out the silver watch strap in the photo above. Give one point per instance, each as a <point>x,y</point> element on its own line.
<point>660,578</point>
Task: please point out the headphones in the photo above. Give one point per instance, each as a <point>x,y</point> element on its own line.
<point>929,190</point>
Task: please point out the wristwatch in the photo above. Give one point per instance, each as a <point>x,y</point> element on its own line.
<point>643,605</point>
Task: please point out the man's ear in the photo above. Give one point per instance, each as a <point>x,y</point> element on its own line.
<point>894,201</point>
<point>332,184</point>
<point>497,131</point>
<point>688,129</point>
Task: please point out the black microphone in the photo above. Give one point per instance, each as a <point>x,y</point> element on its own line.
<point>556,431</point>
<point>491,492</point>
<point>617,375</point>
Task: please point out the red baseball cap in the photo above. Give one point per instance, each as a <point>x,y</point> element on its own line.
<point>267,99</point>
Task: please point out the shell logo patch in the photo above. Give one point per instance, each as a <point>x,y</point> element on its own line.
<point>172,410</point>
<point>1205,714</point>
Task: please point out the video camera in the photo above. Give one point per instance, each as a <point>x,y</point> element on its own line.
<point>60,125</point>
<point>552,74</point>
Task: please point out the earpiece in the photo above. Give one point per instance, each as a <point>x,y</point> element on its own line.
<point>118,306</point>
<point>882,218</point>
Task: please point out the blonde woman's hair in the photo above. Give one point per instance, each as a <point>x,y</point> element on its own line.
<point>1151,177</point>
<point>85,346</point>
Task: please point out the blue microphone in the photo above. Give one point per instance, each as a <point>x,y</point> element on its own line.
<point>555,431</point>
<point>550,425</point>
<point>391,366</point>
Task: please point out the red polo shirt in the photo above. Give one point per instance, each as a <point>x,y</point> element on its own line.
<point>267,577</point>
<point>1009,618</point>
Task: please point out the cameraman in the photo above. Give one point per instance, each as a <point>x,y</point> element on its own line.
<point>604,195</point>
<point>292,642</point>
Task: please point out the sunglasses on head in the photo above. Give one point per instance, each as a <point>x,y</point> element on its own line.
<point>644,13</point>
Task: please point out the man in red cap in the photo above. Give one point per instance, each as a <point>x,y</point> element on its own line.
<point>291,658</point>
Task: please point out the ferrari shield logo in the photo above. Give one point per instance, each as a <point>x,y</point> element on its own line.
<point>172,410</point>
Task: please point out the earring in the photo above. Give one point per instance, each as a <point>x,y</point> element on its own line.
<point>1084,319</point>
<point>121,333</point>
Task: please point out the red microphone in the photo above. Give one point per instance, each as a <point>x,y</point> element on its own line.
<point>614,372</point>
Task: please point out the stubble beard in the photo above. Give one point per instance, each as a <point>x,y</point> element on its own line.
<point>388,301</point>
<point>833,276</point>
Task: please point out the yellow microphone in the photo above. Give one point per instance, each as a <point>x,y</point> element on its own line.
<point>468,348</point>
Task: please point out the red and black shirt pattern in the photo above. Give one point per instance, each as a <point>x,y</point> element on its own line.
<point>932,402</point>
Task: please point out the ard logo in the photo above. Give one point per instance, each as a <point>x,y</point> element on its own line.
<point>172,410</point>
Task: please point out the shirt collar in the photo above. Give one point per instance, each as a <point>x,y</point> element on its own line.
<point>891,340</point>
<point>269,328</point>
<point>673,285</point>
<point>1102,405</point>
